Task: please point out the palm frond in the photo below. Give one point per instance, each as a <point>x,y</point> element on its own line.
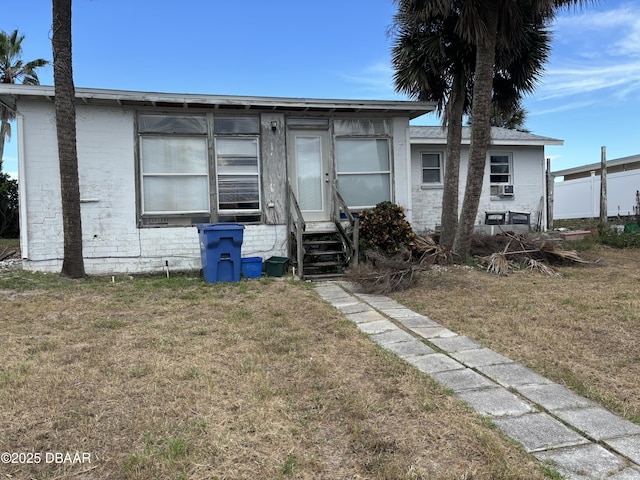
<point>498,264</point>
<point>538,266</point>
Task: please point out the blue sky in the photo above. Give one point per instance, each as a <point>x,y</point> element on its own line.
<point>588,97</point>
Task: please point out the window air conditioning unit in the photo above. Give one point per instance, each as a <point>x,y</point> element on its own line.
<point>505,190</point>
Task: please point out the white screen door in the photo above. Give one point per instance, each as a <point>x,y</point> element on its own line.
<point>309,172</point>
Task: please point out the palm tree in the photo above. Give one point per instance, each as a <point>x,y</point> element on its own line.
<point>72,263</point>
<point>490,24</point>
<point>433,62</point>
<point>14,70</point>
<point>513,120</point>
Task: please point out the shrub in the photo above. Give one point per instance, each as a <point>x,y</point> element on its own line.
<point>386,229</point>
<point>616,239</point>
<point>9,222</point>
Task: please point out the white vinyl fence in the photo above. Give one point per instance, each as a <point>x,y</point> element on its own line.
<point>581,198</point>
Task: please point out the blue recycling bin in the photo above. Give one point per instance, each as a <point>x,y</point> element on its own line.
<point>220,251</point>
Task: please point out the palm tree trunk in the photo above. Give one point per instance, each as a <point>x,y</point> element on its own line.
<point>449,218</point>
<point>480,132</point>
<point>73,263</point>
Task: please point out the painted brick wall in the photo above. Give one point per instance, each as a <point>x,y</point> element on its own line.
<point>112,243</point>
<point>528,180</point>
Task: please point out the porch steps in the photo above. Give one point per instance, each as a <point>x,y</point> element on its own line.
<point>324,254</point>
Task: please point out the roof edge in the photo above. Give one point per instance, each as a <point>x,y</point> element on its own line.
<point>596,166</point>
<point>413,108</point>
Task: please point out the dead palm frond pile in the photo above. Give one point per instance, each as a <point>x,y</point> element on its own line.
<point>382,274</point>
<point>498,254</point>
<point>430,252</point>
<point>524,252</point>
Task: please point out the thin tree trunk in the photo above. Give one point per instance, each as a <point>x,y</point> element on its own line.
<point>5,131</point>
<point>1,147</point>
<point>480,133</point>
<point>73,263</point>
<point>449,218</point>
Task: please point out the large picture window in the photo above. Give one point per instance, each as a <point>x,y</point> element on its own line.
<point>174,164</point>
<point>364,171</point>
<point>176,153</point>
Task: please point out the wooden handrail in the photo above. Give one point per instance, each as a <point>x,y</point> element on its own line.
<point>354,221</point>
<point>299,227</point>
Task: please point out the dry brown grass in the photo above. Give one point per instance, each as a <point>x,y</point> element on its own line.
<point>177,379</point>
<point>580,329</point>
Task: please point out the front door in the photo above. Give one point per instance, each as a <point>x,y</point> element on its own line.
<point>309,172</point>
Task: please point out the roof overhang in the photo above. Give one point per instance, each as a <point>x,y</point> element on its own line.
<point>596,166</point>
<point>499,142</point>
<point>11,94</point>
<point>499,137</point>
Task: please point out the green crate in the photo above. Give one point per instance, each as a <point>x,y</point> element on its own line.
<point>277,266</point>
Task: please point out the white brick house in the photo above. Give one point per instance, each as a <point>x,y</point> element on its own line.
<point>514,179</point>
<point>152,166</point>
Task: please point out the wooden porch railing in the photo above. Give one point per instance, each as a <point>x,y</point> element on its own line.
<point>352,240</point>
<point>297,226</point>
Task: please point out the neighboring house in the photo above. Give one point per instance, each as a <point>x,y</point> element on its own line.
<point>514,178</point>
<point>577,195</point>
<point>152,166</point>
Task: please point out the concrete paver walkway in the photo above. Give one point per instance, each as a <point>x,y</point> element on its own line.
<point>574,436</point>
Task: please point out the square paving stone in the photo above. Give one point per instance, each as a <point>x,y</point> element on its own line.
<point>553,397</point>
<point>465,379</point>
<point>495,402</point>
<point>399,313</point>
<point>512,375</point>
<point>355,308</point>
<point>538,431</point>
<point>393,336</point>
<point>432,332</point>
<point>479,357</point>
<point>598,423</point>
<point>330,290</point>
<point>371,328</point>
<point>379,301</point>
<point>338,297</point>
<point>627,446</point>
<point>418,320</point>
<point>344,302</point>
<point>583,461</point>
<point>414,348</point>
<point>365,317</point>
<point>455,344</point>
<point>436,362</point>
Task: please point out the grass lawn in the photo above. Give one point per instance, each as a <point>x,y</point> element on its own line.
<point>159,378</point>
<point>580,329</point>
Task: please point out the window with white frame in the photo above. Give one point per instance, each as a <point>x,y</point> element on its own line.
<point>175,161</point>
<point>500,172</point>
<point>501,168</point>
<point>432,168</point>
<point>363,171</point>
